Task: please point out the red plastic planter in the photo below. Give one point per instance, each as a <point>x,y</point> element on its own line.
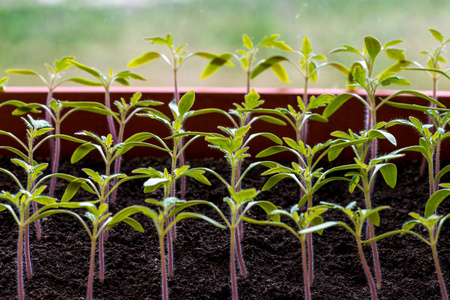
<point>350,115</point>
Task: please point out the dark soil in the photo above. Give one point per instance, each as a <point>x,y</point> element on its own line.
<point>202,268</point>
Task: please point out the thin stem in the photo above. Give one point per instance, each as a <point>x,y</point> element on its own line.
<point>55,160</point>
<point>118,162</point>
<point>437,164</point>
<point>233,265</point>
<point>306,281</point>
<point>90,288</point>
<point>439,272</point>
<point>310,265</point>
<point>111,127</point>
<point>239,254</point>
<point>20,283</point>
<point>169,249</point>
<point>373,290</point>
<point>27,247</point>
<point>165,288</point>
<point>175,84</point>
<point>101,257</point>
<point>371,234</point>
<point>431,176</point>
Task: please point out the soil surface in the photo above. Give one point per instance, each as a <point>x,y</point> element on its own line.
<point>202,269</point>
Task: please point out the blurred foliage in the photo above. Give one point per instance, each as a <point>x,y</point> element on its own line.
<point>107,34</point>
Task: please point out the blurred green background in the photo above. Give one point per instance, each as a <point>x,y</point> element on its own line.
<point>108,34</point>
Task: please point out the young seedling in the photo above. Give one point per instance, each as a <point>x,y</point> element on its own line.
<point>428,143</point>
<point>362,74</point>
<point>55,73</point>
<point>434,60</point>
<point>35,130</point>
<point>99,217</point>
<point>248,62</point>
<point>180,113</point>
<point>363,176</point>
<point>358,217</point>
<point>433,224</point>
<point>238,201</point>
<point>307,175</point>
<point>167,180</point>
<point>55,111</point>
<point>21,202</point>
<point>307,220</point>
<point>178,56</point>
<point>122,78</point>
<point>109,152</point>
<point>308,67</point>
<point>127,111</point>
<point>167,209</point>
<point>435,72</point>
<point>51,108</point>
<point>235,148</point>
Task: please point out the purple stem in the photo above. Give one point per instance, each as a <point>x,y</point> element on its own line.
<point>112,128</point>
<point>306,281</point>
<point>373,290</point>
<point>116,170</point>
<point>27,248</point>
<point>169,249</point>
<point>165,288</point>
<point>234,290</point>
<point>55,164</point>
<point>239,254</point>
<point>90,288</point>
<point>439,273</point>
<point>309,243</point>
<point>101,257</point>
<point>20,283</point>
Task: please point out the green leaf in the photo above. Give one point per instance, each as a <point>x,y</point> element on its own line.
<point>189,215</point>
<point>374,218</point>
<point>437,35</point>
<point>72,189</point>
<point>87,69</point>
<point>215,64</point>
<point>392,43</point>
<point>154,183</point>
<point>85,81</point>
<point>320,227</point>
<point>44,200</point>
<point>143,59</point>
<point>336,104</point>
<point>247,42</point>
<point>340,67</point>
<point>274,180</point>
<point>395,80</point>
<point>389,172</point>
<point>266,64</point>
<point>281,73</point>
<point>396,53</point>
<point>134,224</point>
<point>434,201</point>
<point>81,152</point>
<point>22,72</point>
<point>373,47</point>
<point>186,103</point>
<point>198,175</point>
<point>271,151</point>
